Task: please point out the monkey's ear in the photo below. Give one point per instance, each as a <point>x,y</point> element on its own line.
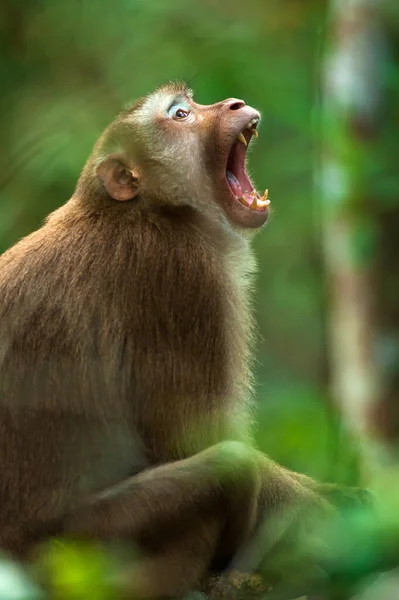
<point>120,180</point>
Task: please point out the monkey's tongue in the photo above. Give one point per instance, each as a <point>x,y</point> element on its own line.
<point>234,184</point>
<point>236,188</point>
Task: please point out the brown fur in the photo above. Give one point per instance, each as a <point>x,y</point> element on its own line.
<point>124,376</point>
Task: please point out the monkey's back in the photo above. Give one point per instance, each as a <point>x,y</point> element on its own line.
<point>114,353</point>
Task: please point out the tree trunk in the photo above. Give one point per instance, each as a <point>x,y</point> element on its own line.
<point>351,105</point>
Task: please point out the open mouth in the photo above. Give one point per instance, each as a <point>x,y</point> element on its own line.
<point>237,178</point>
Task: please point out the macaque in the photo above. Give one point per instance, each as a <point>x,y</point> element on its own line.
<point>125,354</point>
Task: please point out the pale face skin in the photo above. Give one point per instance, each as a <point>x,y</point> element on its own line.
<point>192,153</point>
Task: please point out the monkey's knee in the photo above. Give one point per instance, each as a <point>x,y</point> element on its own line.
<point>239,476</point>
<point>238,455</point>
<point>237,465</point>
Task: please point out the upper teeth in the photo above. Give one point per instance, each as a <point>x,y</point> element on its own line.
<point>253,122</point>
<point>251,126</point>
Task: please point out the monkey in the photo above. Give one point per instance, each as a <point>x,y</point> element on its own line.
<point>127,336</point>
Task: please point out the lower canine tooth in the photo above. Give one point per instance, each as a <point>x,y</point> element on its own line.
<point>254,204</point>
<point>265,195</point>
<point>263,203</point>
<point>243,201</point>
<point>242,139</point>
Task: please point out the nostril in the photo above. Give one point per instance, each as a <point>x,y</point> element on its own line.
<point>237,105</point>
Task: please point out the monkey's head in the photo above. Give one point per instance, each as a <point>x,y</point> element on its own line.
<point>167,148</point>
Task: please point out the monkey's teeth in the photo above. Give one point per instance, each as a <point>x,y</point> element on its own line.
<point>254,204</point>
<point>242,139</point>
<point>263,203</point>
<point>255,133</point>
<point>253,122</point>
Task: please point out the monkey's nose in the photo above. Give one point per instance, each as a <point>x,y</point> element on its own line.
<point>234,104</point>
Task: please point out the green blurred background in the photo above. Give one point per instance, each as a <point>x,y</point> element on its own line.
<point>66,69</point>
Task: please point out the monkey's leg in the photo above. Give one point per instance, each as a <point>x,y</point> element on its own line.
<point>222,480</point>
<point>177,513</point>
<point>193,512</point>
<point>217,491</point>
<point>179,564</point>
<point>241,485</point>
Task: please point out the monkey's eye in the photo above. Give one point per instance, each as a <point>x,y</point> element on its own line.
<point>181,113</point>
<point>178,113</point>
